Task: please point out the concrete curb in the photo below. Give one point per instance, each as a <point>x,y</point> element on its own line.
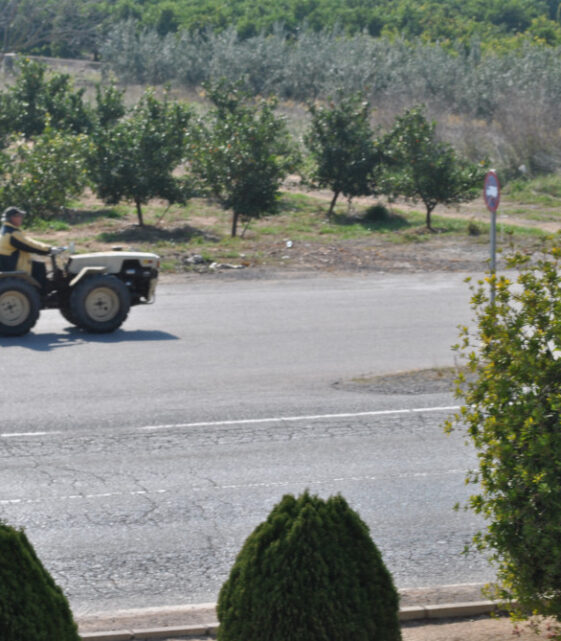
<point>153,633</point>
<point>448,610</point>
<point>406,614</point>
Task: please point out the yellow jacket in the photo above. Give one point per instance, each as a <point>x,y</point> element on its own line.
<point>16,249</point>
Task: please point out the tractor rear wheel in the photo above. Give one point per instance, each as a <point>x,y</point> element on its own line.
<point>19,306</point>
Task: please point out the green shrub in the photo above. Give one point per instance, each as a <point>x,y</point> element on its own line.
<point>310,572</point>
<point>32,606</point>
<point>376,214</point>
<point>511,413</point>
<point>473,229</point>
<point>43,176</point>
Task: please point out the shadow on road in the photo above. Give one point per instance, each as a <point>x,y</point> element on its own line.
<point>74,336</point>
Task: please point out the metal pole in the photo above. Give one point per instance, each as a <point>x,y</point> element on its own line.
<point>493,253</point>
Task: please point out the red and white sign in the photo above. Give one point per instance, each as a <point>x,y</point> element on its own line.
<point>492,191</point>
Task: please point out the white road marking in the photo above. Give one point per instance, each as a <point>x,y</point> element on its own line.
<point>20,434</point>
<point>257,421</point>
<point>73,497</point>
<point>448,585</point>
<point>309,482</point>
<point>343,479</point>
<point>288,419</point>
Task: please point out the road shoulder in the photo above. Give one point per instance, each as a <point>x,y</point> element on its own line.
<point>445,613</point>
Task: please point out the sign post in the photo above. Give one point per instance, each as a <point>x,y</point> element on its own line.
<point>492,197</point>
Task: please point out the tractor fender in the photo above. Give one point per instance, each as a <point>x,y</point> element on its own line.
<point>23,275</point>
<point>87,271</point>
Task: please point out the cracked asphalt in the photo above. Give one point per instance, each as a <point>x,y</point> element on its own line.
<point>138,463</point>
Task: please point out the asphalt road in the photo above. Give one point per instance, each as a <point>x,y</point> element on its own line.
<point>139,462</point>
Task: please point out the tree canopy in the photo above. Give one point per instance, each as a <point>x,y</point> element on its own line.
<point>134,158</point>
<point>72,28</point>
<point>418,166</point>
<point>342,148</point>
<point>241,154</point>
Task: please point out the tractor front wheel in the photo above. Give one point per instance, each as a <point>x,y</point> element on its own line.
<point>100,304</point>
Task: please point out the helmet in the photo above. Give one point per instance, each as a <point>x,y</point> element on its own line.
<point>11,211</point>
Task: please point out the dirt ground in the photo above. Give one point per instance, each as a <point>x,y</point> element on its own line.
<point>265,256</point>
<point>430,253</point>
<point>481,628</point>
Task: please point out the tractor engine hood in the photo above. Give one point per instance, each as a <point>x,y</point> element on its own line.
<point>113,261</point>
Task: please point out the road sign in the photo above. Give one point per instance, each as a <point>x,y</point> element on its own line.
<point>492,196</point>
<point>492,191</point>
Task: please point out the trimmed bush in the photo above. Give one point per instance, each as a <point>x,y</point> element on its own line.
<point>32,606</point>
<point>310,572</point>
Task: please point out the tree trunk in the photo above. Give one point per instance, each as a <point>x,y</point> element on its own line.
<point>429,223</point>
<point>139,213</point>
<point>333,201</point>
<point>235,217</point>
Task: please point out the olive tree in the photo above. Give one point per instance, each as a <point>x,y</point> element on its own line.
<point>417,166</point>
<point>65,28</point>
<point>512,413</point>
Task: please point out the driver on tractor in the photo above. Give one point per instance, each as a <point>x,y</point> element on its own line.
<point>16,248</point>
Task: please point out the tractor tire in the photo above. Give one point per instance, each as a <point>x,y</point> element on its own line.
<point>19,306</point>
<point>67,314</point>
<point>99,304</point>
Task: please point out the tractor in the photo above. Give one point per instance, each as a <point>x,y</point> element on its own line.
<point>93,291</point>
